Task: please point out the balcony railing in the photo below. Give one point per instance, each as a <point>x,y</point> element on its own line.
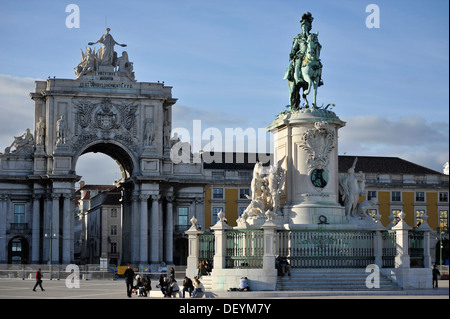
<point>18,226</point>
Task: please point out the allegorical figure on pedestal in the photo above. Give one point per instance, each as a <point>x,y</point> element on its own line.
<point>88,63</point>
<point>26,140</point>
<point>106,53</point>
<point>305,69</point>
<point>40,131</point>
<point>61,130</point>
<point>149,132</point>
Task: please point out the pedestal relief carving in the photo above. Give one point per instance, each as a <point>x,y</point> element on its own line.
<point>318,142</point>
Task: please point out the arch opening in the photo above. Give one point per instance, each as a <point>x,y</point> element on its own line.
<point>119,154</point>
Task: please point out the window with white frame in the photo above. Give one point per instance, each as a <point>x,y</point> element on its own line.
<point>113,212</point>
<point>443,219</point>
<point>419,216</point>
<point>114,229</point>
<point>16,245</point>
<point>420,196</point>
<point>371,194</point>
<point>443,197</point>
<point>183,217</point>
<point>396,196</point>
<point>243,192</point>
<point>113,247</point>
<point>19,213</point>
<point>217,193</point>
<point>396,214</point>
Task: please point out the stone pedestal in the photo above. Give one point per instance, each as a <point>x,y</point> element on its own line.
<point>307,139</point>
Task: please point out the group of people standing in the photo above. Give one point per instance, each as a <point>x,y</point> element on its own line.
<point>168,285</point>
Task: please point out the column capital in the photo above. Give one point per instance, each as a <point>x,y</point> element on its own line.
<point>55,196</point>
<point>156,197</point>
<point>199,200</point>
<point>67,196</point>
<point>143,197</point>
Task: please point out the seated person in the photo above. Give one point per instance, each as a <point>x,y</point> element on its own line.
<point>243,284</point>
<point>285,266</point>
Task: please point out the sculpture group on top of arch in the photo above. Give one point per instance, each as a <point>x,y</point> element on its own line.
<point>92,61</point>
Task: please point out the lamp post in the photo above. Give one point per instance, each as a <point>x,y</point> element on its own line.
<point>50,236</point>
<point>441,245</point>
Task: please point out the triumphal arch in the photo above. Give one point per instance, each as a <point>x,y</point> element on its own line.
<point>103,109</point>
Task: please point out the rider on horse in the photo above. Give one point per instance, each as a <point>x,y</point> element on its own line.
<point>297,56</point>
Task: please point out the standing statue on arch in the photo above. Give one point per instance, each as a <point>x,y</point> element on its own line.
<point>107,55</point>
<point>305,69</point>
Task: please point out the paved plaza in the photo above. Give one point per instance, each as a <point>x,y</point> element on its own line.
<point>115,289</point>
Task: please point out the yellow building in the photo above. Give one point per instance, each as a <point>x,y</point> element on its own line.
<point>396,184</point>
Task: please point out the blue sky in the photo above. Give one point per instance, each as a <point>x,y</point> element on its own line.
<point>226,61</point>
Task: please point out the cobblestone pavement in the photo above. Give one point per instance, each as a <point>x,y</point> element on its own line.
<point>109,289</point>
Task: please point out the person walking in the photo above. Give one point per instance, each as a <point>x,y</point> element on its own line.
<point>38,280</point>
<point>129,276</point>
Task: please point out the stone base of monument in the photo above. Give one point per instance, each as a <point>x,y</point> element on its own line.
<point>313,214</point>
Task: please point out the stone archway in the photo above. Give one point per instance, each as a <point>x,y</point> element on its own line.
<point>123,157</point>
<point>103,110</point>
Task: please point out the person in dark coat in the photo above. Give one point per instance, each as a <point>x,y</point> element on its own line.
<point>129,276</point>
<point>436,273</point>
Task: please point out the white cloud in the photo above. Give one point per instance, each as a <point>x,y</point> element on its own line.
<point>98,168</point>
<point>411,138</point>
<point>16,107</point>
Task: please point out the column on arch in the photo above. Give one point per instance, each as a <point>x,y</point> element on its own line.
<point>67,229</point>
<point>3,210</point>
<point>135,228</point>
<point>35,229</point>
<point>168,231</point>
<point>155,223</point>
<point>143,228</point>
<point>54,229</point>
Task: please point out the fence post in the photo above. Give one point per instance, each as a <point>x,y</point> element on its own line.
<point>426,241</point>
<point>220,253</point>
<point>269,245</point>
<point>402,259</point>
<point>378,241</point>
<point>193,248</point>
<point>378,248</point>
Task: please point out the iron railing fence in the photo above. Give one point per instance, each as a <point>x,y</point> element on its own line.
<point>389,248</point>
<point>245,248</point>
<point>327,248</point>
